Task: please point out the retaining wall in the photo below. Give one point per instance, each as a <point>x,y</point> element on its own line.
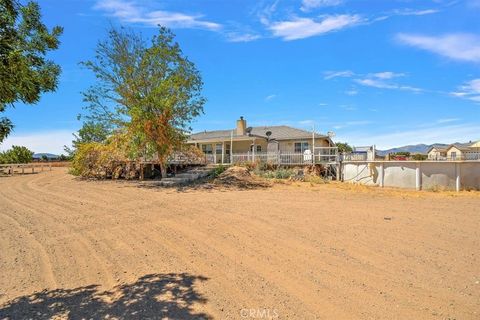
<point>448,175</point>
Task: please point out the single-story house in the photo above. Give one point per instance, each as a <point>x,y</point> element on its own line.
<point>249,143</point>
<point>462,151</point>
<point>437,153</point>
<point>456,151</point>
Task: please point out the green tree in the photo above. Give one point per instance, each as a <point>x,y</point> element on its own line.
<point>147,91</point>
<point>89,132</point>
<point>25,72</point>
<point>16,154</point>
<point>343,147</point>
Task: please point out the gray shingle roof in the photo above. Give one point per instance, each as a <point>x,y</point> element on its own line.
<point>278,133</point>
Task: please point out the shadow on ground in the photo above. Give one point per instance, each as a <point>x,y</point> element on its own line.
<point>154,296</point>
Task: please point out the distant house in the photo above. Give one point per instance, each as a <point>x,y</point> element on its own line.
<point>437,153</point>
<point>456,151</point>
<point>247,143</point>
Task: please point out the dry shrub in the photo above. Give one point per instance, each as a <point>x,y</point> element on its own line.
<point>240,177</point>
<point>99,161</point>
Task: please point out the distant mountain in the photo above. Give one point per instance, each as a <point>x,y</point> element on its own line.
<point>417,148</point>
<point>48,155</point>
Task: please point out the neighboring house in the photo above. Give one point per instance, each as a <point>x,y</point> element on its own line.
<point>437,153</point>
<point>462,151</point>
<point>261,143</point>
<point>456,151</point>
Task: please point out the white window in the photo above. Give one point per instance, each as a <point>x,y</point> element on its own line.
<point>207,148</point>
<point>258,148</point>
<point>300,147</point>
<point>218,148</point>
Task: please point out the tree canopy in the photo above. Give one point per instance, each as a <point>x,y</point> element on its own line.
<point>25,72</point>
<point>147,91</point>
<point>16,154</point>
<point>344,147</point>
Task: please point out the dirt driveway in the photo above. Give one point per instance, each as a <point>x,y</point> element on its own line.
<point>78,249</point>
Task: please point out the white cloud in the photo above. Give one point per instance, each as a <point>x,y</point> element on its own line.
<point>470,90</point>
<point>456,46</point>
<point>132,12</point>
<point>447,120</point>
<point>351,92</point>
<point>410,12</point>
<point>270,97</point>
<point>385,85</point>
<point>338,74</point>
<point>242,37</point>
<point>308,5</point>
<point>300,28</point>
<point>387,75</point>
<point>44,141</point>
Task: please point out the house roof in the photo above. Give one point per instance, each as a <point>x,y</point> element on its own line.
<point>461,146</point>
<point>278,133</point>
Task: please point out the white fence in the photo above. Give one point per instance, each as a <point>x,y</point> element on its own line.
<point>428,175</point>
<point>322,155</point>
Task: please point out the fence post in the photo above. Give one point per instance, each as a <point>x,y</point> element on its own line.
<point>11,170</point>
<point>418,177</point>
<point>382,175</point>
<point>458,184</point>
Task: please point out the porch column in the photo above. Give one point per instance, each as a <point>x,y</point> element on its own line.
<point>223,152</point>
<point>231,147</point>
<point>253,150</point>
<point>214,151</point>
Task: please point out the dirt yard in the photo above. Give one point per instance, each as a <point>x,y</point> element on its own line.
<point>76,249</point>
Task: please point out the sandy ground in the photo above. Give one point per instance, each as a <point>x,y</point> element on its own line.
<point>76,249</point>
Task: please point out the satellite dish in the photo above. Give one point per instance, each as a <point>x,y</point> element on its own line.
<point>331,134</point>
<point>268,134</point>
<point>248,130</point>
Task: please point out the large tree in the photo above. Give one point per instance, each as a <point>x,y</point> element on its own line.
<point>25,72</point>
<point>147,91</point>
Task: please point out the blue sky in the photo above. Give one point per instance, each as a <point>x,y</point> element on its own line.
<point>374,72</point>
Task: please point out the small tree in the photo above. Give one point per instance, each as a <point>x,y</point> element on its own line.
<point>343,147</point>
<point>16,154</point>
<point>24,71</point>
<point>147,91</point>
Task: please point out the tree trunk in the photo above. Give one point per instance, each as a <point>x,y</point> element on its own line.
<point>163,169</point>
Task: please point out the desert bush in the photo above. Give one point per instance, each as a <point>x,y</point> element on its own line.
<point>218,170</point>
<point>280,173</point>
<point>97,160</point>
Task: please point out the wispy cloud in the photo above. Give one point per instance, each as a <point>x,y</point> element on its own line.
<point>447,120</point>
<point>380,80</point>
<point>338,74</point>
<point>351,92</point>
<point>270,97</point>
<point>133,12</point>
<point>411,12</point>
<point>242,37</point>
<point>300,28</point>
<point>469,90</point>
<point>308,5</point>
<point>382,84</point>
<point>456,46</point>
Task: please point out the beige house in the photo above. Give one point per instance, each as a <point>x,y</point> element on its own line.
<point>437,153</point>
<point>245,143</point>
<point>456,151</point>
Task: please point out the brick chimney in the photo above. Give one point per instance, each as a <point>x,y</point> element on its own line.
<point>241,127</point>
